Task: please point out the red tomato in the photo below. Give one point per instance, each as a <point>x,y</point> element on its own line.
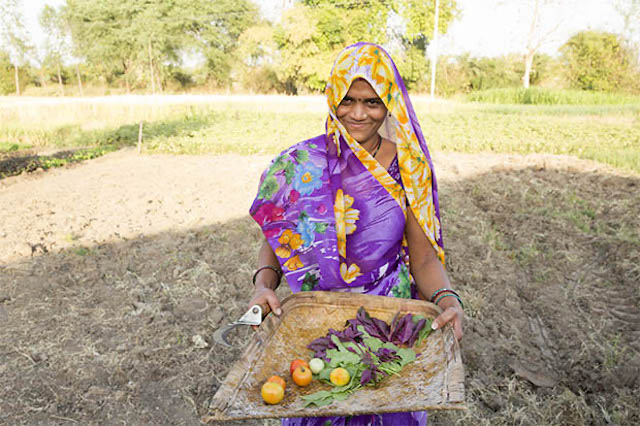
<point>277,379</point>
<point>297,363</point>
<point>302,376</point>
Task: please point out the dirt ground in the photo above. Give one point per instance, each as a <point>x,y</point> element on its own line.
<point>110,269</point>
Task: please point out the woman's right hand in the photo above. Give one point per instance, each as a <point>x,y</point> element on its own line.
<point>267,299</point>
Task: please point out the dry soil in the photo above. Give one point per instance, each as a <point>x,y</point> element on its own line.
<point>110,269</point>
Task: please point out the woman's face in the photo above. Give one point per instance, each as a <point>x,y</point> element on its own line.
<point>362,112</point>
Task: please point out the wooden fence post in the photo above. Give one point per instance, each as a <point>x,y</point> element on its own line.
<point>140,137</point>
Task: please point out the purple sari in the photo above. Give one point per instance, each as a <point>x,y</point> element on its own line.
<point>336,219</point>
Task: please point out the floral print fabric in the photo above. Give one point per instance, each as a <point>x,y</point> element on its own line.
<point>335,217</point>
<point>349,239</point>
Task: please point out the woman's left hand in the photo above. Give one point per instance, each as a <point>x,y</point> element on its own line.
<point>452,313</point>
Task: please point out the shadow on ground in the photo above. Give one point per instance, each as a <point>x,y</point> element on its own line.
<point>546,260</point>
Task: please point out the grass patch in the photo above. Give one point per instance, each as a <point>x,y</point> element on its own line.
<point>612,139</point>
<point>543,96</point>
<point>11,147</point>
<point>609,134</point>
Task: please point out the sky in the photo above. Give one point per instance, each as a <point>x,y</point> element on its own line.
<point>484,27</point>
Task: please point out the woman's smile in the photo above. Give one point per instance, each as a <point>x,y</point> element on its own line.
<point>362,113</point>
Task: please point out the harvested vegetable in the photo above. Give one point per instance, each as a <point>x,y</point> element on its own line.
<point>316,365</point>
<point>302,376</point>
<point>272,393</point>
<point>369,349</point>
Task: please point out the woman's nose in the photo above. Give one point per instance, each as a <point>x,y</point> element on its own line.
<point>359,111</point>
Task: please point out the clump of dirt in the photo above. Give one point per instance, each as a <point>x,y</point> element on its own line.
<point>111,268</point>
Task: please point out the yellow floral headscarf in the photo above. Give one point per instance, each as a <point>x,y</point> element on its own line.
<point>371,63</point>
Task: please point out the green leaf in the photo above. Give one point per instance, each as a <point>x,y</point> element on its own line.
<point>321,227</point>
<point>325,373</point>
<point>390,346</point>
<point>317,395</point>
<point>340,358</point>
<point>268,188</point>
<point>362,330</point>
<point>341,396</point>
<point>406,356</point>
<point>289,172</point>
<point>302,156</point>
<point>278,164</point>
<point>339,389</point>
<point>373,343</point>
<point>422,335</point>
<point>354,346</point>
<point>320,398</point>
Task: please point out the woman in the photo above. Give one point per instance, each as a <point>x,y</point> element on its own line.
<point>341,211</point>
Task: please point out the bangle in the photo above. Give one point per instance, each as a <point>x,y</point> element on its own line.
<point>440,291</point>
<point>452,295</point>
<point>278,271</point>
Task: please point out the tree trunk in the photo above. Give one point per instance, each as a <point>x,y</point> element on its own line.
<point>153,78</point>
<point>17,77</point>
<point>60,80</point>
<point>531,46</point>
<point>528,64</point>
<point>43,80</point>
<point>159,80</point>
<point>126,76</point>
<point>79,80</point>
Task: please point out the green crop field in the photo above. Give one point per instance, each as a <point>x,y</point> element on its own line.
<point>608,134</point>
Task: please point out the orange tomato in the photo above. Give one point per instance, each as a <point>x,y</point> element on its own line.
<point>302,376</point>
<point>297,363</point>
<point>272,393</point>
<point>339,376</point>
<point>277,379</point>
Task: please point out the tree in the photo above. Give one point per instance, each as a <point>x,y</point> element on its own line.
<point>543,18</point>
<point>102,33</point>
<point>57,43</point>
<point>151,34</point>
<point>14,36</point>
<point>213,29</point>
<point>629,10</point>
<point>314,31</point>
<point>597,61</point>
<point>256,53</point>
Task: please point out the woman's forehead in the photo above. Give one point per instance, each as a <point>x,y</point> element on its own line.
<point>360,88</point>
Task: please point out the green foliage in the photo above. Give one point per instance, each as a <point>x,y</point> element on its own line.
<point>598,61</point>
<point>419,17</point>
<point>56,30</point>
<point>129,39</point>
<point>313,32</point>
<point>542,96</point>
<point>609,134</point>
<point>11,146</point>
<point>414,67</point>
<point>302,65</point>
<point>256,52</point>
<point>464,73</point>
<point>7,83</point>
